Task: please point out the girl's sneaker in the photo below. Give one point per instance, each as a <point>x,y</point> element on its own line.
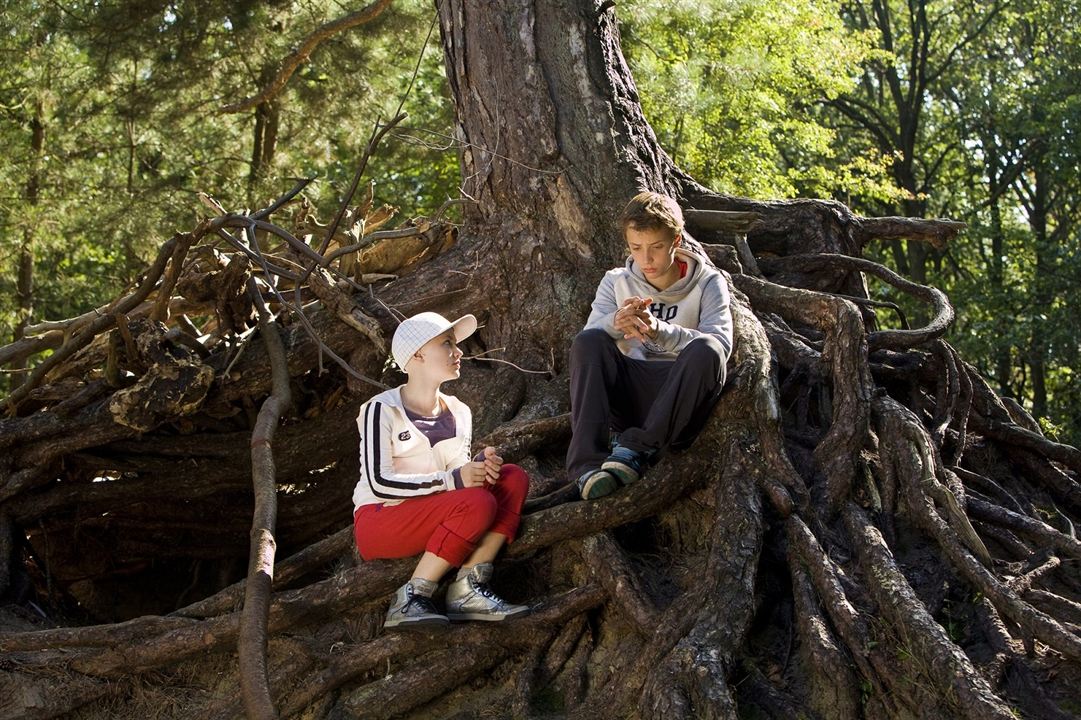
<point>411,610</point>
<point>472,599</point>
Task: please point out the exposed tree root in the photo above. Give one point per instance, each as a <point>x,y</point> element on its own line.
<point>252,640</point>
<point>949,669</point>
<point>817,346</point>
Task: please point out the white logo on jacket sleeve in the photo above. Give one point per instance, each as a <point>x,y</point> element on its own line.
<point>404,435</point>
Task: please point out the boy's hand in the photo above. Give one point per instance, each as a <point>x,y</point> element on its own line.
<point>473,474</point>
<point>492,464</point>
<point>634,320</point>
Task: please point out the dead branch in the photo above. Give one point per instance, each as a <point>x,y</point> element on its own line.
<point>938,232</point>
<point>378,132</point>
<point>85,336</point>
<point>251,646</point>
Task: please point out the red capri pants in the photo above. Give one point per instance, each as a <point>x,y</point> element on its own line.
<point>449,524</point>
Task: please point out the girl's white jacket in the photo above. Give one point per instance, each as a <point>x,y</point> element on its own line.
<point>396,460</point>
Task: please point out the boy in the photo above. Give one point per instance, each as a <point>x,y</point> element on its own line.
<point>650,362</point>
<point>420,493</point>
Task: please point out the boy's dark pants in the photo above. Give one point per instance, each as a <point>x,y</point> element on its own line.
<point>651,403</point>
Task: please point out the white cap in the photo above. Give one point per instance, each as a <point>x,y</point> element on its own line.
<point>413,332</point>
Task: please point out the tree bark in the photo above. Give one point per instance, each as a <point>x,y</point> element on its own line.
<point>544,199</point>
<point>264,140</point>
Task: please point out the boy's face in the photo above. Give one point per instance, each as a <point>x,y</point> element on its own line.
<point>654,252</point>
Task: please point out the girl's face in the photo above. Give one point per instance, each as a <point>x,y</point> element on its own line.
<point>439,358</point>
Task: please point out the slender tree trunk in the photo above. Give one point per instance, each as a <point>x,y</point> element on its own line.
<point>256,149</point>
<point>897,98</point>
<point>1042,291</point>
<point>272,111</point>
<point>129,127</point>
<point>264,137</point>
<point>264,142</point>
<point>996,270</point>
<point>916,252</point>
<point>24,282</point>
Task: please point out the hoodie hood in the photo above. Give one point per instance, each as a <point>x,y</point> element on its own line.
<point>696,268</point>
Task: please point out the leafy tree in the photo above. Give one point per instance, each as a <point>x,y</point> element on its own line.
<point>732,89</point>
<point>1013,105</point>
<point>58,170</point>
<point>114,119</point>
<point>975,103</point>
<point>893,107</point>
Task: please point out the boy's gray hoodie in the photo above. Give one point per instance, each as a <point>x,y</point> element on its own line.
<point>696,304</point>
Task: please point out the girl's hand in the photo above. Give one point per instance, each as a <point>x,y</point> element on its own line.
<point>492,464</point>
<point>473,474</point>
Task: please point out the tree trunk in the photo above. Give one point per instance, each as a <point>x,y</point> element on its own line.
<point>24,281</point>
<point>996,268</point>
<point>264,137</point>
<point>553,143</point>
<point>1042,292</point>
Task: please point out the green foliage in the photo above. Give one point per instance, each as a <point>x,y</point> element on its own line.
<point>1017,107</point>
<point>733,89</point>
<point>129,96</point>
<point>928,108</point>
<point>979,105</point>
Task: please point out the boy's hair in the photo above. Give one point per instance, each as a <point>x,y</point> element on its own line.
<point>652,211</point>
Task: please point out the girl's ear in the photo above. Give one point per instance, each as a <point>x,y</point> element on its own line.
<point>678,240</point>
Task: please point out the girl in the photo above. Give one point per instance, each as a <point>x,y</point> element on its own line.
<point>419,491</point>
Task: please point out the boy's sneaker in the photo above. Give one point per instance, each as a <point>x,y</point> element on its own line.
<point>597,483</point>
<point>471,599</point>
<point>613,440</point>
<point>411,610</point>
<point>626,465</point>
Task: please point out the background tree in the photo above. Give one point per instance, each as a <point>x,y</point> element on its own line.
<point>733,91</point>
<point>130,99</point>
<point>1006,271</point>
<point>893,105</point>
<point>1048,192</point>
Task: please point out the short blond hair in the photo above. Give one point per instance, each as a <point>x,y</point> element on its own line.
<point>652,211</point>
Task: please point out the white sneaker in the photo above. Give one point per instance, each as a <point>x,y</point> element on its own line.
<point>471,599</point>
